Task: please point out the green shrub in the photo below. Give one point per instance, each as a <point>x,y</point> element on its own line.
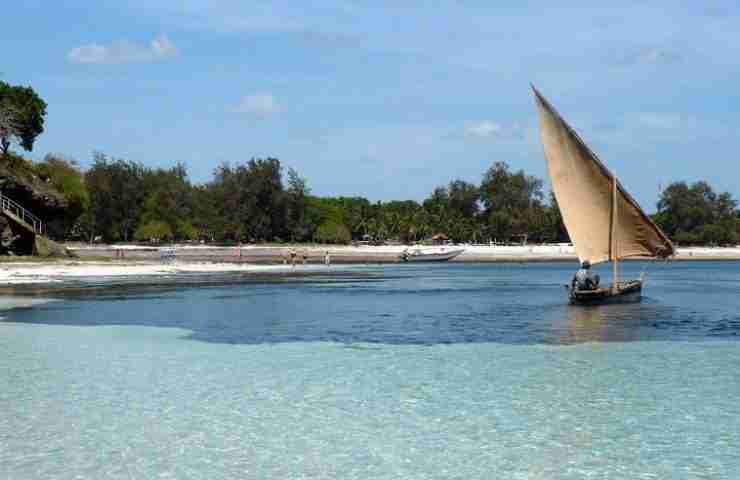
<point>333,232</point>
<point>153,231</point>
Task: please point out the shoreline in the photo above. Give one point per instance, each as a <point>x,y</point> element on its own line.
<point>144,263</point>
<point>342,254</point>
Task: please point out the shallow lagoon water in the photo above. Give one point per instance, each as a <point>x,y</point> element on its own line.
<point>411,371</point>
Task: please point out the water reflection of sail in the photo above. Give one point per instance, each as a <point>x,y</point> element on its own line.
<point>584,325</point>
<point>604,323</point>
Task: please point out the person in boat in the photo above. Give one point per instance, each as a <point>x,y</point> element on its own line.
<point>584,278</point>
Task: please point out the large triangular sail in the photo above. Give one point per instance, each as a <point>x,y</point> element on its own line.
<point>584,189</point>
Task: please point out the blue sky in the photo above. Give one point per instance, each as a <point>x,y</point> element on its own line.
<point>385,100</point>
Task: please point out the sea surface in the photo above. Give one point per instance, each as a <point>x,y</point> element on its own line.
<point>445,371</point>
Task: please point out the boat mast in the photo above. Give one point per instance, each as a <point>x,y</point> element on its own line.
<point>615,255</point>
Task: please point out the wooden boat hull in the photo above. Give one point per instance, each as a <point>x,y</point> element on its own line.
<point>627,292</point>
<point>432,257</point>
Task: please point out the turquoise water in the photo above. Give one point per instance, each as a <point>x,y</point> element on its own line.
<point>447,371</point>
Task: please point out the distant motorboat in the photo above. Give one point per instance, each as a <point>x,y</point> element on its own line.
<point>430,254</point>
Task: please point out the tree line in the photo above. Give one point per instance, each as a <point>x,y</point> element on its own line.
<point>694,214</point>
<point>257,201</point>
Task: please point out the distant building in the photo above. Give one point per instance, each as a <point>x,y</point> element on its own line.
<point>440,239</point>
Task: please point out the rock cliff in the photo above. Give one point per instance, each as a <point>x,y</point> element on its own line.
<point>20,183</point>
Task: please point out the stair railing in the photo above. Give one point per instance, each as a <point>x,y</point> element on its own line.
<point>20,212</point>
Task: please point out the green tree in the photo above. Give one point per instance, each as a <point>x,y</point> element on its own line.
<point>503,190</point>
<point>697,214</point>
<point>320,211</point>
<point>153,231</point>
<point>724,232</point>
<point>556,231</point>
<point>117,193</point>
<point>86,226</point>
<point>453,210</point>
<point>333,232</point>
<point>65,177</point>
<point>297,199</point>
<point>208,222</point>
<point>22,114</point>
<point>463,198</point>
<point>185,230</point>
<point>251,199</point>
<point>512,202</point>
<point>169,199</point>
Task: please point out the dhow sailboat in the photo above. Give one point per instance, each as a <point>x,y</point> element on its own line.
<point>604,222</point>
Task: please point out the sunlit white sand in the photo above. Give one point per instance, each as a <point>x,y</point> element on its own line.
<point>59,271</point>
<point>28,273</point>
<point>478,252</point>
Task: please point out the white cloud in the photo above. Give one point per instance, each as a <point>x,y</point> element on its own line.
<point>259,104</point>
<point>488,129</point>
<point>655,55</point>
<point>651,128</point>
<point>124,51</point>
<point>484,129</point>
<point>652,56</point>
<point>661,121</point>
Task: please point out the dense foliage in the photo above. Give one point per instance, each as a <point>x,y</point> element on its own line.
<point>696,214</point>
<point>121,200</point>
<point>65,177</point>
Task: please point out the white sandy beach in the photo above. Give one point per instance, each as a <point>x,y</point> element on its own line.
<point>368,253</point>
<point>19,272</point>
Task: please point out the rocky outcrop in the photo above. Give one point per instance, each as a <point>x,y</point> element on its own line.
<point>14,239</point>
<point>35,194</point>
<point>21,185</point>
<point>43,247</point>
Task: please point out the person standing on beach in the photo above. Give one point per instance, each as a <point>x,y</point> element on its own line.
<point>292,257</point>
<point>305,256</point>
<point>327,259</point>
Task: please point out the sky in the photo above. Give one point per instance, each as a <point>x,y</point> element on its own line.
<point>384,99</point>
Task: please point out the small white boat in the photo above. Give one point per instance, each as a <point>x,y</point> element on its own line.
<point>430,254</point>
